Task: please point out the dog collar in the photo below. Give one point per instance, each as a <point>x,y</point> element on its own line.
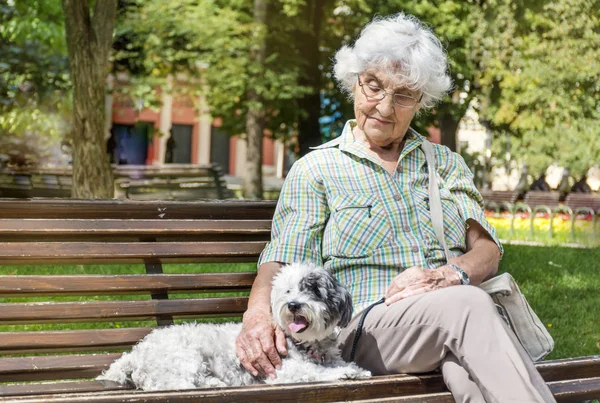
<point>309,351</point>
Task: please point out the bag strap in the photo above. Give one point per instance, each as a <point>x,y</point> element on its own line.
<point>435,203</point>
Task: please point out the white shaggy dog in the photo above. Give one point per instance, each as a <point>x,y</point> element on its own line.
<point>307,303</point>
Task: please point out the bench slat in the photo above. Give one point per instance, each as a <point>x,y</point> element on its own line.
<point>45,253</point>
<point>118,310</point>
<point>69,340</point>
<point>58,388</point>
<point>570,368</point>
<point>23,227</point>
<point>386,389</point>
<point>27,368</point>
<point>382,386</point>
<point>157,209</point>
<point>26,286</point>
<point>54,367</point>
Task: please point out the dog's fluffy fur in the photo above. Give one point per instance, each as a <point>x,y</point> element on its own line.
<point>307,303</point>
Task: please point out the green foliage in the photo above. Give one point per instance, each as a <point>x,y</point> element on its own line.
<point>538,66</point>
<point>210,42</point>
<point>34,79</point>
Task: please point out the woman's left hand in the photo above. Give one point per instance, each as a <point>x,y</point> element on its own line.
<point>417,280</point>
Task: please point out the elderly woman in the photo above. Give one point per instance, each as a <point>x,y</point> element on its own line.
<point>359,206</point>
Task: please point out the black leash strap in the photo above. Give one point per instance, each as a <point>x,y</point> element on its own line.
<point>359,327</point>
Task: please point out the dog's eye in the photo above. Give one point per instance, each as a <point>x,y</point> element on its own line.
<point>287,292</point>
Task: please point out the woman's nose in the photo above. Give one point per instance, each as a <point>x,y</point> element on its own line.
<point>386,106</point>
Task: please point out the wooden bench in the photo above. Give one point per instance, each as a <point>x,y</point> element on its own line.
<point>583,200</point>
<point>34,184</point>
<point>499,200</point>
<point>172,182</point>
<point>536,198</point>
<point>137,182</point>
<point>91,328</point>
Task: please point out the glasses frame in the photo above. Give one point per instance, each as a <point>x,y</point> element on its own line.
<point>382,97</point>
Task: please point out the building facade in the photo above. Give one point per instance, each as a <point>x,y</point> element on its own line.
<point>181,131</point>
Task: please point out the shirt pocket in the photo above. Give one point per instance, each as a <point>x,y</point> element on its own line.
<point>455,228</point>
<point>358,224</point>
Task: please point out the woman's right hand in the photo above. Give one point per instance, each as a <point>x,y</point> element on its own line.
<point>260,343</point>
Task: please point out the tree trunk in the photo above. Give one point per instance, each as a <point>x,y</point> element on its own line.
<point>253,181</point>
<point>309,128</point>
<point>89,40</point>
<point>448,128</point>
<point>253,185</point>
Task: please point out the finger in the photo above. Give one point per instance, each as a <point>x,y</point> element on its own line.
<point>268,347</point>
<point>407,292</point>
<point>260,358</point>
<point>245,361</point>
<point>280,341</point>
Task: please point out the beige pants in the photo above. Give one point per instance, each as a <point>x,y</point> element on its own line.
<point>456,329</point>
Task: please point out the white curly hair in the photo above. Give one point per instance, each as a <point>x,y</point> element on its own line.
<point>404,48</point>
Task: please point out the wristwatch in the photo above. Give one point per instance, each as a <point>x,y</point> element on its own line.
<point>464,277</point>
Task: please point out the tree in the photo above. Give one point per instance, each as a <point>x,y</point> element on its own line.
<point>89,35</point>
<point>538,66</point>
<point>255,115</point>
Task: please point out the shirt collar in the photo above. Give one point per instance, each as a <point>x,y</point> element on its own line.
<point>346,142</point>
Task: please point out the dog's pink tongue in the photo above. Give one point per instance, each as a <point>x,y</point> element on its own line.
<point>298,324</point>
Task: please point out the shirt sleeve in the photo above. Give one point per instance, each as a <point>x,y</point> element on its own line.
<point>299,219</point>
<point>458,178</point>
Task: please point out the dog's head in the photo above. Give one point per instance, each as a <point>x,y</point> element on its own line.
<point>308,302</point>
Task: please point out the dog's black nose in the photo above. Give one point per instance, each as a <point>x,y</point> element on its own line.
<point>294,306</point>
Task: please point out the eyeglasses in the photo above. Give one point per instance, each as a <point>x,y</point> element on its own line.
<point>374,93</point>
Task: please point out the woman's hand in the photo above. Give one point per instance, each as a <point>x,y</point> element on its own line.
<point>259,343</point>
<point>418,280</point>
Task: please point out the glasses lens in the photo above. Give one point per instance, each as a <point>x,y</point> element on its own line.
<point>404,101</point>
<point>372,91</point>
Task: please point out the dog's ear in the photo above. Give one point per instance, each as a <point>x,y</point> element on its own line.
<point>345,307</point>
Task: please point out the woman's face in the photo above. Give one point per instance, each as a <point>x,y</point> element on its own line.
<point>380,121</point>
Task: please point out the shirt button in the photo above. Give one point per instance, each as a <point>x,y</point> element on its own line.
<point>398,197</point>
<point>399,169</point>
<point>415,249</point>
<point>406,228</point>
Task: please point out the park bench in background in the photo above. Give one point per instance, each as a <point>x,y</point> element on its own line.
<point>44,232</point>
<point>172,182</point>
<point>139,182</point>
<point>499,196</point>
<point>34,184</point>
<point>583,200</point>
<point>498,200</point>
<point>537,198</point>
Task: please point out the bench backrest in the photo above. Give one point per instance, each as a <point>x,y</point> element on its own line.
<point>580,200</point>
<point>537,198</point>
<point>93,306</point>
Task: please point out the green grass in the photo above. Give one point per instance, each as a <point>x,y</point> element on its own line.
<point>562,285</point>
<point>585,238</point>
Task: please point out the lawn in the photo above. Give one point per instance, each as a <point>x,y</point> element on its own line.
<point>562,285</point>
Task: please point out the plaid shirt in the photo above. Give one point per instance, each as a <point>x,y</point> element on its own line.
<point>340,208</point>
